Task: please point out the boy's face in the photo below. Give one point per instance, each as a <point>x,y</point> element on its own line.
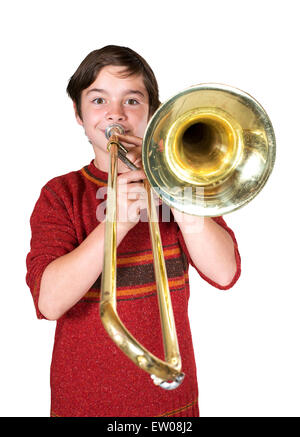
<point>112,98</point>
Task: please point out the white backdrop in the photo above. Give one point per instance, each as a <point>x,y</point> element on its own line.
<point>246,339</point>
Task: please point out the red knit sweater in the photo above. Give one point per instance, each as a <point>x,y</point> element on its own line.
<point>90,376</point>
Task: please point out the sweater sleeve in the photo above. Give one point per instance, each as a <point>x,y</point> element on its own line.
<point>222,223</point>
<point>52,235</point>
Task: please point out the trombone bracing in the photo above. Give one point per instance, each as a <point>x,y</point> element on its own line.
<point>219,142</point>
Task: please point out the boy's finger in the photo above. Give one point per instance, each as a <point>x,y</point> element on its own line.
<point>131,139</point>
<point>134,157</point>
<point>130,176</point>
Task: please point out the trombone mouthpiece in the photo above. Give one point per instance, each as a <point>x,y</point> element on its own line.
<point>114,129</point>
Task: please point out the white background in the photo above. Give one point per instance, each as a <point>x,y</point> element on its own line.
<point>246,339</point>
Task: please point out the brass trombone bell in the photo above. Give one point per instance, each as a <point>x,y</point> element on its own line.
<point>209,150</point>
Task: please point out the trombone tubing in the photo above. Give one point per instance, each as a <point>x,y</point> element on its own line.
<point>161,371</point>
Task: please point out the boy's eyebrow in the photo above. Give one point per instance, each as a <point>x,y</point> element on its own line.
<point>100,90</point>
<point>97,90</point>
<point>134,92</point>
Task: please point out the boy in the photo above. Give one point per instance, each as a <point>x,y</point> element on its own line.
<point>90,376</point>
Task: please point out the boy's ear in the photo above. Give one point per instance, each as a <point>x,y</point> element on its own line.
<point>79,121</point>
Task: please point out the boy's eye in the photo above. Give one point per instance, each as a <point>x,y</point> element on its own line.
<point>99,101</point>
<point>132,102</point>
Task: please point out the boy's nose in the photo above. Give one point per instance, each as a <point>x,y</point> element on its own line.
<point>115,114</point>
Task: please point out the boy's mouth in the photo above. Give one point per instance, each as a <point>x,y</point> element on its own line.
<point>127,132</point>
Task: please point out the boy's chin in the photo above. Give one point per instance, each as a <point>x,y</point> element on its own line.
<point>99,146</point>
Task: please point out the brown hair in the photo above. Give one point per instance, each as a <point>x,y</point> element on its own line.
<point>88,70</point>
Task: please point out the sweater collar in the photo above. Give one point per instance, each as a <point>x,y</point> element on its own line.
<point>95,175</point>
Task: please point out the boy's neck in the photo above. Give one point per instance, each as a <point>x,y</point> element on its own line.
<point>100,165</point>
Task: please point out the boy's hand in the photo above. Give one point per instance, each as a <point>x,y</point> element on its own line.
<point>131,198</point>
<point>131,191</point>
<point>132,195</point>
<point>134,146</point>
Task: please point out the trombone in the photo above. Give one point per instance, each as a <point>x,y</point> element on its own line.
<point>216,140</point>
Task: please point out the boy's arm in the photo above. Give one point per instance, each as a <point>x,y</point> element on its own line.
<point>68,278</point>
<point>211,248</point>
